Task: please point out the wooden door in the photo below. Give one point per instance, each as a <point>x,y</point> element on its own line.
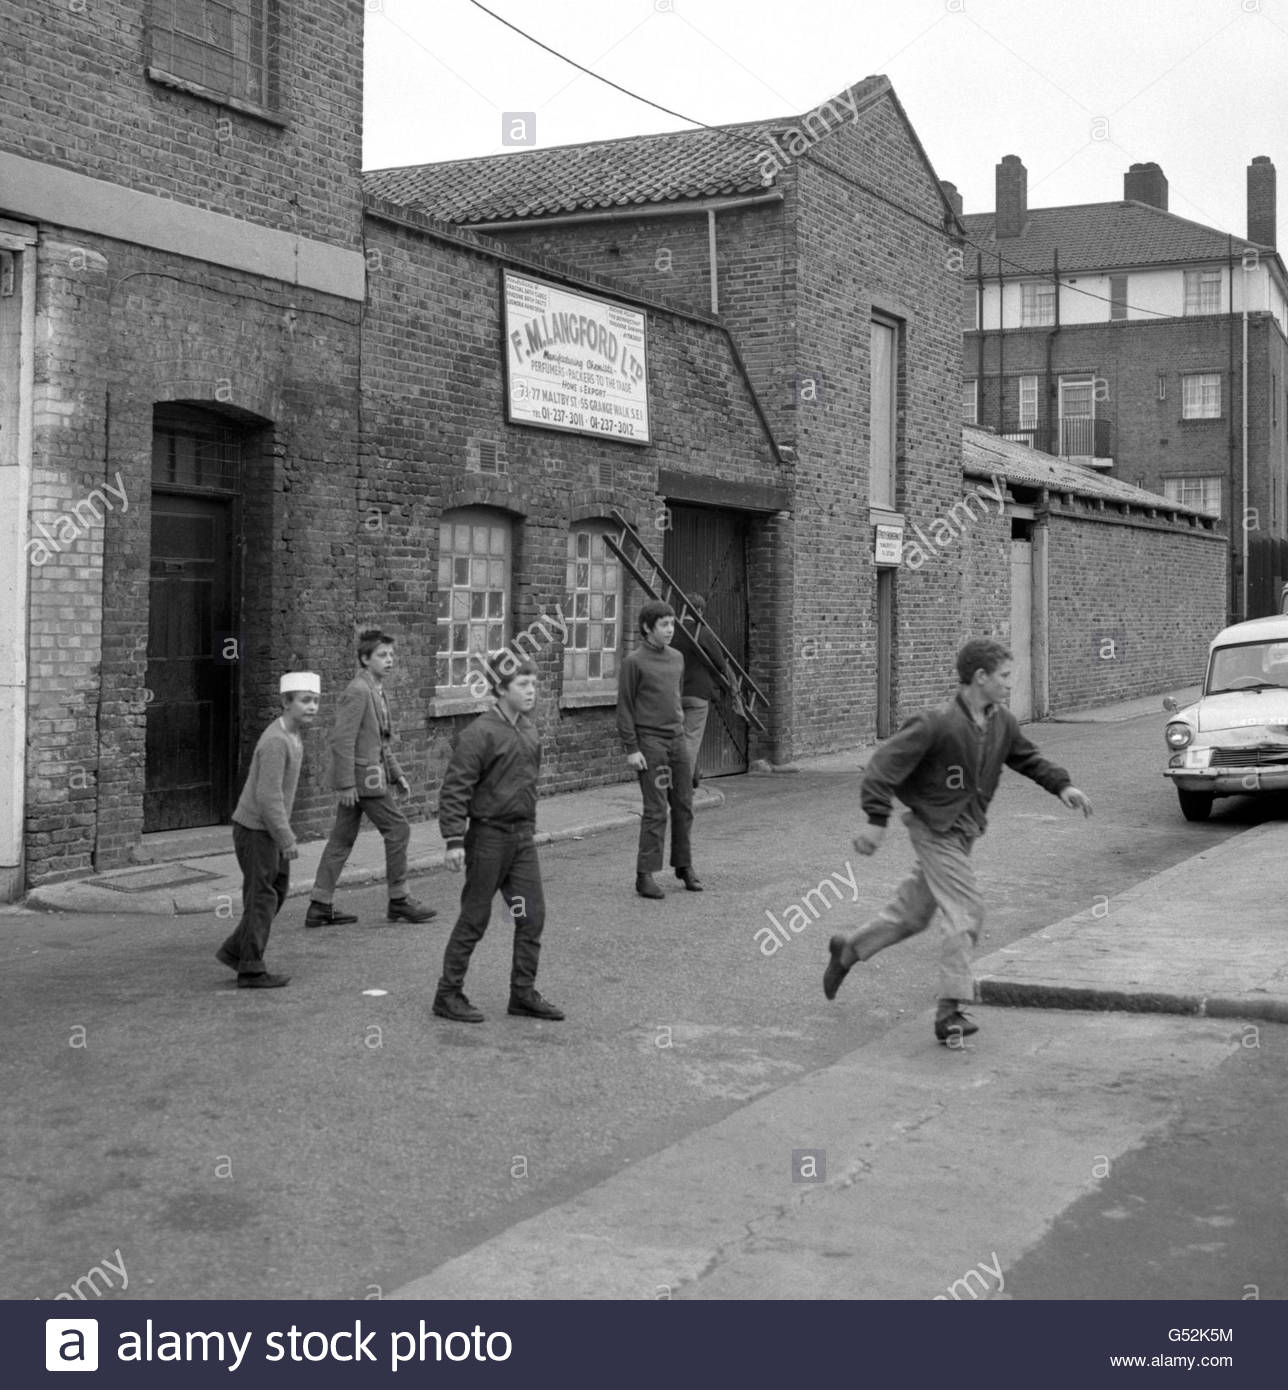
<point>706,553</point>
<point>190,714</point>
<point>1022,629</point>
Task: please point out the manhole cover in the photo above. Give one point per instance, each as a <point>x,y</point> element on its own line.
<point>155,876</point>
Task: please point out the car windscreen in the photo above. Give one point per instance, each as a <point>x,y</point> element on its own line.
<point>1249,666</point>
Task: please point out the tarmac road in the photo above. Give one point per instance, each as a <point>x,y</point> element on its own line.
<point>324,1142</point>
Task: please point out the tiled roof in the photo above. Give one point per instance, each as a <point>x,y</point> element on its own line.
<point>985,454</point>
<point>1096,236</point>
<point>682,164</point>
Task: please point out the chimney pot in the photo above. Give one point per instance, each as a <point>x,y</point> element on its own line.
<point>1012,197</point>
<point>1261,201</point>
<point>1146,183</point>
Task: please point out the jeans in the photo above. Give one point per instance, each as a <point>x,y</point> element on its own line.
<point>393,826</point>
<point>943,879</point>
<point>504,859</point>
<point>667,782</point>
<point>266,877</point>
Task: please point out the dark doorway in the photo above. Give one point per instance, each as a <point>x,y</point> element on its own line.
<point>706,553</point>
<point>885,652</point>
<point>193,645</point>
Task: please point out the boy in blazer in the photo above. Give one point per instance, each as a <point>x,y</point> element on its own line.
<point>364,769</point>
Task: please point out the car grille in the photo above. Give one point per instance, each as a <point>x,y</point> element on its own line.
<point>1274,756</point>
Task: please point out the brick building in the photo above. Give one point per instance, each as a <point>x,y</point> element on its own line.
<point>824,243</point>
<point>1114,333</point>
<point>181,232</point>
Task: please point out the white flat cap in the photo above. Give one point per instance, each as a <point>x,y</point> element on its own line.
<point>308,681</point>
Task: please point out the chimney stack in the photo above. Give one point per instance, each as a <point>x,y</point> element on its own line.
<point>1146,183</point>
<point>1261,201</point>
<point>1012,197</point>
<point>953,196</point>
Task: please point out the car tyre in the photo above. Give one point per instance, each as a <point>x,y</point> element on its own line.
<point>1194,805</point>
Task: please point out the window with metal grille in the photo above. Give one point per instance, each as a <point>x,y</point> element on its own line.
<point>227,46</point>
<point>196,449</point>
<point>473,595</point>
<point>1201,396</point>
<point>1202,291</point>
<point>1037,304</point>
<point>593,612</point>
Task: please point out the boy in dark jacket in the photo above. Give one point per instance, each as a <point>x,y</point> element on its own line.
<point>944,765</point>
<point>262,835</point>
<point>487,811</point>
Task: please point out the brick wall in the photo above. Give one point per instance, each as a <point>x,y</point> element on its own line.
<point>77,96</point>
<point>125,329</point>
<point>434,385</point>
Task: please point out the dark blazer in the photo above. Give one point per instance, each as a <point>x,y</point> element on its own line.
<point>362,756</point>
<point>936,763</point>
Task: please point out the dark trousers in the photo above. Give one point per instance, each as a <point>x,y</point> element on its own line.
<point>266,877</point>
<point>504,859</point>
<point>667,782</point>
<point>384,814</point>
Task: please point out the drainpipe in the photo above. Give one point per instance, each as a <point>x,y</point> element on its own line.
<point>1052,416</point>
<point>979,346</point>
<point>1231,606</point>
<point>711,254</point>
<point>1001,356</point>
<point>1243,520</point>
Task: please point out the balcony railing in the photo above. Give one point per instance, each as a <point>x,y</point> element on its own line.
<point>1084,438</point>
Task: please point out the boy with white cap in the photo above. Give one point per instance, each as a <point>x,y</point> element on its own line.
<point>262,835</point>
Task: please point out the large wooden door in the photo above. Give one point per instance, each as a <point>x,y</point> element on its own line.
<point>706,553</point>
<point>191,676</point>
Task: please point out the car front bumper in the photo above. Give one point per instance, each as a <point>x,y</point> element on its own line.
<point>1229,781</point>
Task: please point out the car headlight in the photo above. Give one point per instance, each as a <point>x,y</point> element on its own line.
<point>1179,735</point>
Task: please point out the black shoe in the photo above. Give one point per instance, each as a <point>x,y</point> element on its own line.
<point>697,780</point>
<point>262,981</point>
<point>532,1005</point>
<point>690,880</point>
<point>408,910</point>
<point>954,1025</point>
<point>224,958</point>
<point>835,972</point>
<point>646,887</point>
<point>325,915</point>
<point>456,1007</point>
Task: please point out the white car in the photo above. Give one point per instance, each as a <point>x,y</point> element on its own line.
<point>1233,741</point>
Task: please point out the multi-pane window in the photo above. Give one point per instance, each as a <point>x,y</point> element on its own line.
<point>1202,291</point>
<point>970,402</point>
<point>473,594</point>
<point>1201,396</point>
<point>1201,493</point>
<point>227,46</point>
<point>1028,403</point>
<point>593,615</point>
<point>1037,303</point>
<point>1117,296</point>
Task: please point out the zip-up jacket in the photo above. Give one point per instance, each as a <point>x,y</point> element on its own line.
<point>492,776</point>
<point>939,766</point>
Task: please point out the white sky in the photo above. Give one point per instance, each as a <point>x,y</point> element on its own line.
<point>1079,89</point>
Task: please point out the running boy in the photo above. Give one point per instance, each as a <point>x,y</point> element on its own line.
<point>363,769</point>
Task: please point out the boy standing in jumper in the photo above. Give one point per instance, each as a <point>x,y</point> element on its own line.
<point>650,723</point>
<point>487,811</point>
<point>363,770</point>
<point>262,835</point>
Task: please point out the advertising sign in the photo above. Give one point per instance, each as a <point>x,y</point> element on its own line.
<point>574,362</point>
